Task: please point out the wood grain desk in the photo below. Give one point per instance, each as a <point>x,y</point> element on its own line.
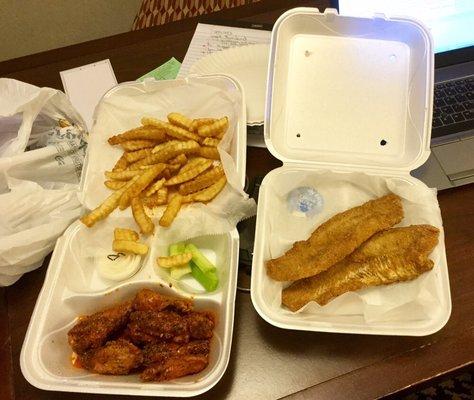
<point>266,362</point>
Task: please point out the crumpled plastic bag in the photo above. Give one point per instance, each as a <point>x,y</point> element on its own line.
<point>42,150</point>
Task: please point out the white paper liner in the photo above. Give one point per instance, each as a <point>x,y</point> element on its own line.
<point>414,300</point>
<point>118,113</point>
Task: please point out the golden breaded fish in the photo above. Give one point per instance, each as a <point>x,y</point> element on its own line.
<point>410,241</point>
<point>336,238</point>
<point>395,255</point>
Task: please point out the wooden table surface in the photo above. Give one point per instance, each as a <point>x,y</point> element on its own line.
<point>266,362</point>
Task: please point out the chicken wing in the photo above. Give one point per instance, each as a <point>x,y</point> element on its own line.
<point>200,324</point>
<point>117,357</point>
<point>147,299</point>
<point>161,336</point>
<point>170,361</point>
<point>175,367</point>
<point>157,326</point>
<point>159,352</point>
<point>336,238</point>
<point>94,330</point>
<point>394,255</point>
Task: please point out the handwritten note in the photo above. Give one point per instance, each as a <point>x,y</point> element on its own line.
<point>208,39</point>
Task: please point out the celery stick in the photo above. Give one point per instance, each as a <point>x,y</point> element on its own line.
<point>177,248</point>
<point>207,279</point>
<point>200,259</point>
<point>181,270</point>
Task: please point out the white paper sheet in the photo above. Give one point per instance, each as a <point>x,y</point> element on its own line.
<point>86,85</point>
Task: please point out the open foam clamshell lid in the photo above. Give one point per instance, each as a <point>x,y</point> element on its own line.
<point>349,92</point>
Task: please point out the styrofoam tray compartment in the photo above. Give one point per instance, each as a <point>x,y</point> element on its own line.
<point>73,286</point>
<point>46,355</point>
<point>350,97</point>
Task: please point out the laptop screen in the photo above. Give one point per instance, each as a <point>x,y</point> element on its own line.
<point>451,22</point>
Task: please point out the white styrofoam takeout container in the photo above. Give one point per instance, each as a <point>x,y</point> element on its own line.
<point>73,287</point>
<point>337,87</point>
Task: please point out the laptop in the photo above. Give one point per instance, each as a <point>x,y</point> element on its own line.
<point>451,23</point>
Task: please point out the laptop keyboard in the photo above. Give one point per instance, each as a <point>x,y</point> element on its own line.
<point>453,106</point>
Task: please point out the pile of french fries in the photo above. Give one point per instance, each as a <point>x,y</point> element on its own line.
<point>165,163</point>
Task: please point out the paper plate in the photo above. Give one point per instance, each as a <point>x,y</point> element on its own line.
<point>248,64</point>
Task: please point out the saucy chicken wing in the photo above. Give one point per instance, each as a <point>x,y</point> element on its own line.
<point>94,330</point>
<point>175,367</point>
<point>147,299</point>
<point>117,357</point>
<point>161,337</point>
<point>170,361</point>
<point>157,326</point>
<point>200,324</point>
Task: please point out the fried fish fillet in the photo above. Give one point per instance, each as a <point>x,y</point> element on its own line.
<point>410,241</point>
<point>336,238</point>
<point>394,255</point>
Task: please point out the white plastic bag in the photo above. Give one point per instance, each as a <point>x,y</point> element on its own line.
<point>42,148</point>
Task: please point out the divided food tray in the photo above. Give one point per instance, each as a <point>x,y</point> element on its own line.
<point>74,288</point>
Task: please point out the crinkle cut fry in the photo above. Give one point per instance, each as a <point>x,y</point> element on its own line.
<point>189,174</point>
<point>216,128</point>
<point>114,185</point>
<point>134,145</point>
<point>180,120</point>
<point>209,152</point>
<point>144,222</point>
<point>202,181</point>
<point>121,163</point>
<point>167,154</point>
<point>158,199</point>
<point>171,211</point>
<point>109,205</point>
<point>125,234</point>
<point>142,132</point>
<point>198,122</point>
<point>174,261</point>
<point>129,246</point>
<point>140,184</point>
<point>207,194</point>
<point>171,130</point>
<point>134,156</point>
